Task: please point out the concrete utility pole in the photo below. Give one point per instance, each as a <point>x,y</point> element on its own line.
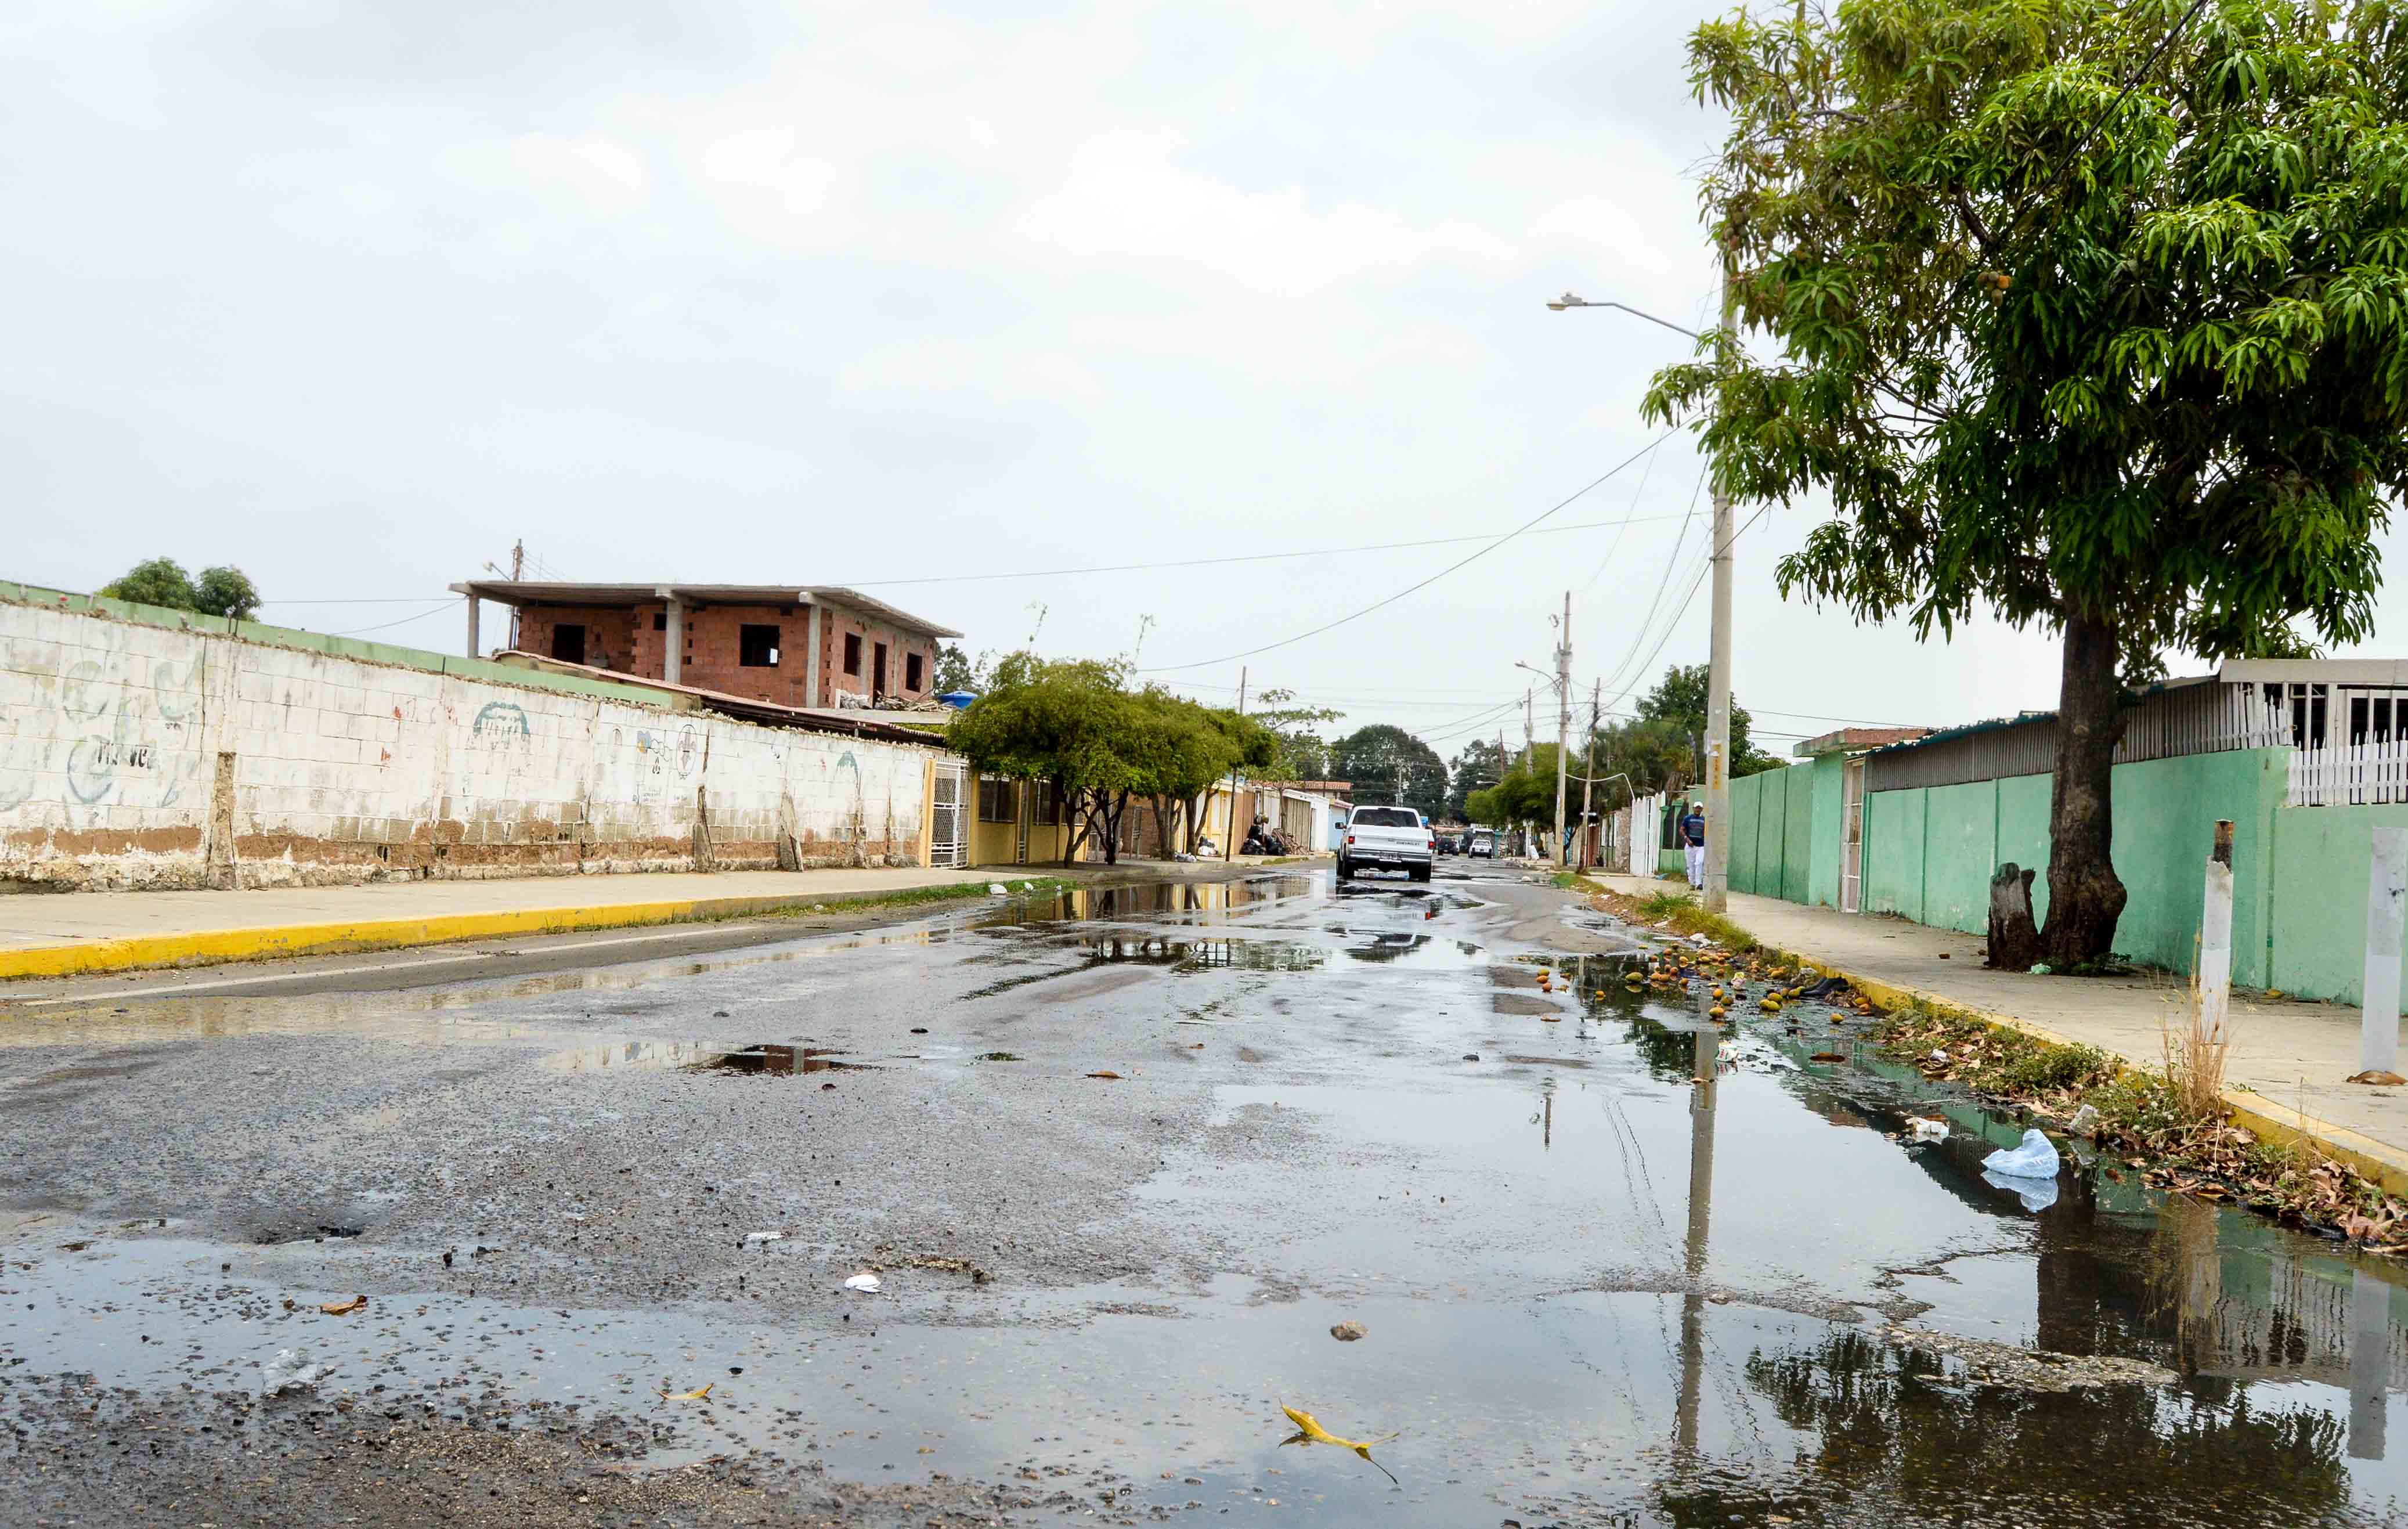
<point>1229,839</point>
<point>1563,727</point>
<point>1717,760</point>
<point>1588,771</point>
<point>1529,752</point>
<point>1718,680</point>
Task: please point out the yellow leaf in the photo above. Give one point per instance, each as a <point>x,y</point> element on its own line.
<point>344,1309</point>
<point>1309,1431</point>
<point>687,1395</point>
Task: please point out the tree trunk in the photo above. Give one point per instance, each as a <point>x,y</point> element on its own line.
<point>1081,816</point>
<point>2085,898</point>
<point>1116,805</point>
<point>1162,807</point>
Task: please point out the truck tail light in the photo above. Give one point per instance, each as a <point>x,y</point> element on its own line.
<point>1349,838</point>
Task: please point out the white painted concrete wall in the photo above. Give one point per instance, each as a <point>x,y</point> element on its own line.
<point>345,770</point>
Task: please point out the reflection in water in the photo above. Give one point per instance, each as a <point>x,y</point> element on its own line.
<point>1906,1442</point>
<point>1702,1088</point>
<point>1193,901</point>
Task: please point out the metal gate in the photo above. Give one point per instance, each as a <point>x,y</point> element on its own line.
<point>947,843</point>
<point>1852,836</point>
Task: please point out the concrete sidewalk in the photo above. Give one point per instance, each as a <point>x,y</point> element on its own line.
<point>2288,1059</point>
<point>66,933</point>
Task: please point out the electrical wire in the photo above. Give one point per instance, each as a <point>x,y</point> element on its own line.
<point>1356,615</point>
<point>403,621</point>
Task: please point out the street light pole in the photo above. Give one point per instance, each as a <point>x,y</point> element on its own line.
<point>1563,727</point>
<point>1717,760</point>
<point>1589,771</point>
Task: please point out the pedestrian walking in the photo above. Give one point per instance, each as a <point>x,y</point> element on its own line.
<point>1693,843</point>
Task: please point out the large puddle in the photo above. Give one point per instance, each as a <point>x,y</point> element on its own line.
<point>1611,1266</point>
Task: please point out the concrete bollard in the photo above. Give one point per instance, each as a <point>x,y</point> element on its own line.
<point>2386,900</point>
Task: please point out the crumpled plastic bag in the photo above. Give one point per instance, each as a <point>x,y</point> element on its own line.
<point>2035,1157</point>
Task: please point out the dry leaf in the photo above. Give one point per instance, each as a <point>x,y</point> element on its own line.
<point>344,1309</point>
<point>695,1396</point>
<point>1309,1431</point>
<point>1114,1076</point>
<point>1829,1056</point>
<point>2378,1080</point>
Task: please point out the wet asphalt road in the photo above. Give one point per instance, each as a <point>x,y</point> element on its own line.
<point>566,1193</point>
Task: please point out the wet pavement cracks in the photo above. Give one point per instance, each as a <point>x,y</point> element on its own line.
<point>1120,1161</point>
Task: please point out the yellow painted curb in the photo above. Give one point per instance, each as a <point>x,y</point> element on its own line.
<point>2381,1163</point>
<point>209,947</point>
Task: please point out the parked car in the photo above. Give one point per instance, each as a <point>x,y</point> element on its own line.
<point>1482,844</point>
<point>1387,839</point>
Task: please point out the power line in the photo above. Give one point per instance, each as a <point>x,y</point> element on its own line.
<point>401,622</point>
<point>1356,615</point>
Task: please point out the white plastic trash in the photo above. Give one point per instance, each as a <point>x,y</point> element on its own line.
<point>1921,1130</point>
<point>864,1282</point>
<point>752,1238</point>
<point>996,889</point>
<point>2037,1195</point>
<point>2086,1121</point>
<point>2034,1157</point>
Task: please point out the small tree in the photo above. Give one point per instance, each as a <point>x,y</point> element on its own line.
<point>1302,753</point>
<point>1076,724</point>
<point>162,580</point>
<point>1482,764</point>
<point>2096,316</point>
<point>955,670</point>
<point>1678,702</point>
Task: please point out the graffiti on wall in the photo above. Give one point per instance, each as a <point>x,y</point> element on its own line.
<point>117,730</point>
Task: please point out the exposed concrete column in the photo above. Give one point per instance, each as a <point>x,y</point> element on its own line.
<point>472,627</point>
<point>673,653</point>
<point>812,656</point>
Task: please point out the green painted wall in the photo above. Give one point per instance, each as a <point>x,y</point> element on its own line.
<point>1798,831</point>
<point>1747,814</point>
<point>1829,788</point>
<point>1930,854</point>
<point>1960,829</point>
<point>2316,918</point>
<point>1893,853</point>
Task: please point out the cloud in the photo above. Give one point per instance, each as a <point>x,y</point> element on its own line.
<point>613,178</point>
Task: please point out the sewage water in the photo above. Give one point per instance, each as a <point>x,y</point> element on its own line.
<point>1600,1284</point>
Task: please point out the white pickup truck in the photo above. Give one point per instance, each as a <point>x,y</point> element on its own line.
<point>1387,839</point>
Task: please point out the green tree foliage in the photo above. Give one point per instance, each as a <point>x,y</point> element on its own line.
<point>2094,315</point>
<point>162,580</point>
<point>1480,765</point>
<point>1388,764</point>
<point>1678,705</point>
<point>955,670</point>
<point>1303,754</point>
<point>1077,724</point>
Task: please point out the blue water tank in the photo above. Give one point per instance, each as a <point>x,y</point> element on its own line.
<point>958,700</point>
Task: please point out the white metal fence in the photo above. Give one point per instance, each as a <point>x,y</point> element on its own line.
<point>2350,775</point>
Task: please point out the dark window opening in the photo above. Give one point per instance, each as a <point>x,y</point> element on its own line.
<point>568,642</point>
<point>914,670</point>
<point>1049,803</point>
<point>757,647</point>
<point>997,799</point>
<point>878,672</point>
<point>660,621</point>
<point>853,653</point>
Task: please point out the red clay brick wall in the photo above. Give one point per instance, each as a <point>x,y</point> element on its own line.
<point>837,621</point>
<point>633,643</point>
<point>607,633</point>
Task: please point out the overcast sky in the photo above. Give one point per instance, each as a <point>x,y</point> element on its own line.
<point>355,293</point>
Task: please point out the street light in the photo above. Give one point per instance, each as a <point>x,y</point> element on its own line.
<point>1718,665</point>
<point>1569,300</point>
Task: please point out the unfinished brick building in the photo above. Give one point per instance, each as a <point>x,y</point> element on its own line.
<point>795,646</point>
